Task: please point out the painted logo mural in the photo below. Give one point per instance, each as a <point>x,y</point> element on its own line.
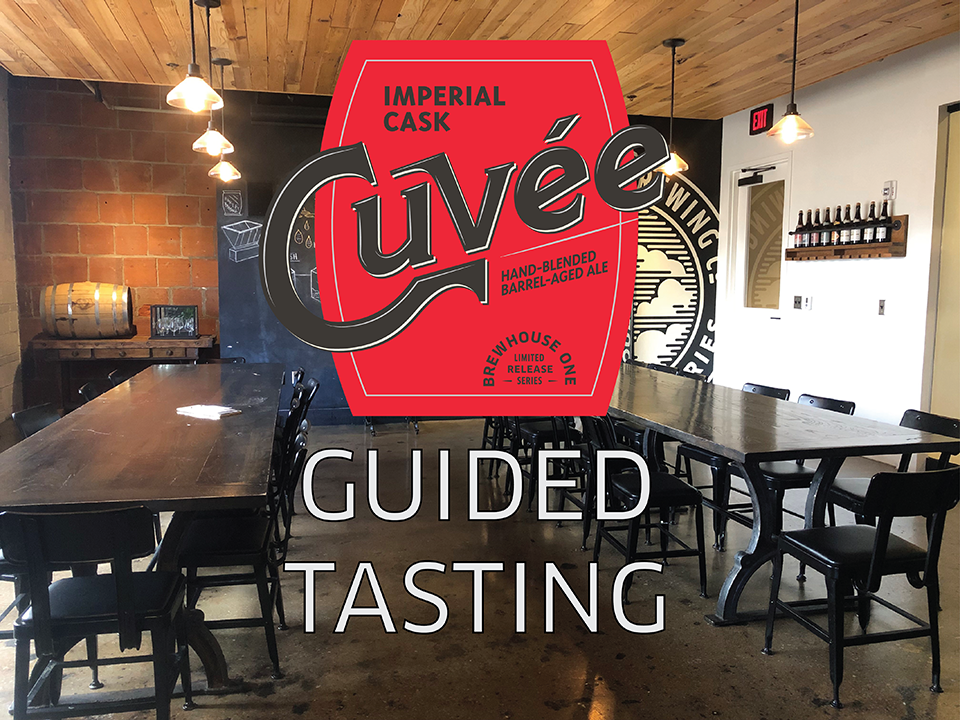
<point>474,243</point>
<point>674,299</point>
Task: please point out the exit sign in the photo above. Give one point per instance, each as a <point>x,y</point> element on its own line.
<point>761,119</point>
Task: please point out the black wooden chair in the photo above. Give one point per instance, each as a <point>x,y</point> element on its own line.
<point>94,389</point>
<point>850,492</point>
<point>117,377</point>
<point>258,541</point>
<point>32,420</point>
<point>597,434</point>
<point>719,470</point>
<point>667,492</point>
<point>859,556</point>
<point>124,603</point>
<point>531,435</point>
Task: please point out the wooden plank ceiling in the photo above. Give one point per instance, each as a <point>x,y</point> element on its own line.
<point>737,53</point>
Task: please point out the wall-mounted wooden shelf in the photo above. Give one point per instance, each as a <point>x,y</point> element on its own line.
<point>896,246</point>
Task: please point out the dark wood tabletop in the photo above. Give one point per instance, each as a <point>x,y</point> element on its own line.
<point>129,446</point>
<point>749,427</point>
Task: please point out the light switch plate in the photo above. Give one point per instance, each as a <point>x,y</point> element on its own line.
<point>797,302</point>
<point>808,302</point>
<point>890,190</point>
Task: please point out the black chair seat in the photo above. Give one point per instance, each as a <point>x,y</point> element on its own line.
<point>849,493</point>
<point>787,470</point>
<point>215,537</point>
<point>848,546</point>
<point>94,597</point>
<point>702,456</point>
<point>665,490</point>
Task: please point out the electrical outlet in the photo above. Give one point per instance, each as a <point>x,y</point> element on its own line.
<point>797,302</point>
<point>808,302</point>
<point>890,190</point>
<point>883,306</point>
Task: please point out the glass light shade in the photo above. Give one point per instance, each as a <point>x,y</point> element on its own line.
<point>675,164</point>
<point>224,171</point>
<point>790,128</point>
<point>195,95</point>
<point>213,143</point>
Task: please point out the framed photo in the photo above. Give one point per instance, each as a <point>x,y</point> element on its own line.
<point>174,321</point>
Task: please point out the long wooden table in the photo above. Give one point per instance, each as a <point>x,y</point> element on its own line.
<point>130,447</point>
<point>749,429</point>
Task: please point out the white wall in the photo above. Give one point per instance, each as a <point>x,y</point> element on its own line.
<point>872,124</point>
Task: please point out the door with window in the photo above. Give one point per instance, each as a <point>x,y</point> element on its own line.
<point>760,229</point>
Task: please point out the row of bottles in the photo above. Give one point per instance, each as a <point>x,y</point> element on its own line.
<point>817,232</point>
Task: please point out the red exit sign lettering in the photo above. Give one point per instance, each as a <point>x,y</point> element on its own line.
<point>761,119</point>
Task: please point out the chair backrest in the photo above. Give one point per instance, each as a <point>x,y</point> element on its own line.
<point>767,391</point>
<point>282,504</point>
<point>94,389</point>
<point>117,377</point>
<point>310,392</point>
<point>928,422</point>
<point>41,542</point>
<point>923,494</point>
<point>841,406</point>
<point>223,361</point>
<point>665,369</point>
<point>32,420</point>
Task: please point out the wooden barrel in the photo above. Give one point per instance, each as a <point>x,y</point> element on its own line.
<point>86,310</point>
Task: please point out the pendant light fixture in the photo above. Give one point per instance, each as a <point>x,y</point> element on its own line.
<point>212,141</point>
<point>194,93</point>
<point>791,127</point>
<point>675,164</point>
<point>223,170</point>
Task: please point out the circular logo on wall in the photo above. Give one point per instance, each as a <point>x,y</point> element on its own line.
<point>674,297</point>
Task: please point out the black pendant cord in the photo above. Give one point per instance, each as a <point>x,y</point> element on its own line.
<point>223,110</point>
<point>793,77</point>
<point>193,36</point>
<point>673,78</point>
<point>209,48</point>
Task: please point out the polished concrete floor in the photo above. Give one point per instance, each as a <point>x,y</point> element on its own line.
<point>689,670</point>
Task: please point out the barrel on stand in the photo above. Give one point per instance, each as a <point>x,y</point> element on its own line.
<point>86,310</point>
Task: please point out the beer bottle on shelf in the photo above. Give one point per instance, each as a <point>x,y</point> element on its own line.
<point>869,232</point>
<point>826,235</point>
<point>807,228</point>
<point>837,228</point>
<point>815,233</point>
<point>883,233</point>
<point>857,233</point>
<point>845,230</point>
<point>798,232</point>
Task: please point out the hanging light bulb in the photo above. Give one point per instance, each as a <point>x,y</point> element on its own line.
<point>224,171</point>
<point>675,164</point>
<point>193,93</point>
<point>791,127</point>
<point>212,142</point>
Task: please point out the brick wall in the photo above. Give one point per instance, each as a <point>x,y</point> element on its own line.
<point>10,380</point>
<point>110,196</point>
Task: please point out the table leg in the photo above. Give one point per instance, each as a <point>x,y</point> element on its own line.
<point>817,497</point>
<point>758,552</point>
<point>198,635</point>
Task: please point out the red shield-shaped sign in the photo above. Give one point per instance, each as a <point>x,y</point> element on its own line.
<point>475,250</point>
